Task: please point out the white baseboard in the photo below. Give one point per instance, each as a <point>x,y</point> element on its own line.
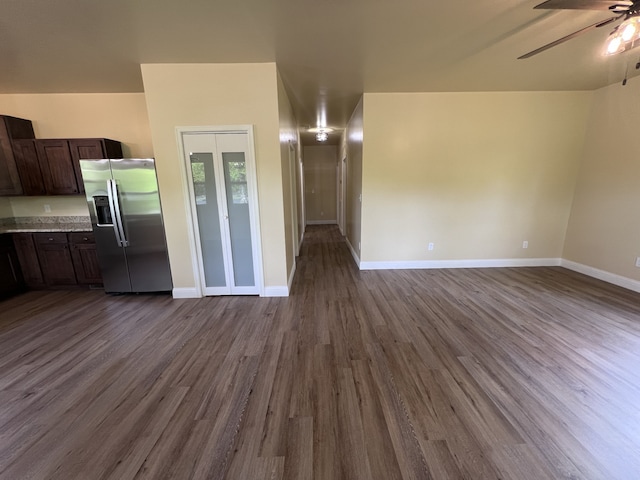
<point>354,254</point>
<point>488,263</point>
<point>322,222</point>
<point>185,293</point>
<point>279,291</point>
<point>619,280</point>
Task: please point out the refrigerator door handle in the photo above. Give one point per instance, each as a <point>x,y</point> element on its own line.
<point>117,217</point>
<point>116,230</point>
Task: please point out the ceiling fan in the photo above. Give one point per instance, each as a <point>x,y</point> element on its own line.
<point>624,37</point>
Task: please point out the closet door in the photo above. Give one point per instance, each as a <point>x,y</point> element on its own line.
<point>232,151</point>
<point>221,204</point>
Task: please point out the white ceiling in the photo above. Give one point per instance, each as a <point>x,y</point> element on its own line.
<point>328,51</point>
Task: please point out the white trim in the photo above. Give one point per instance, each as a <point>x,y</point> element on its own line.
<point>292,162</point>
<point>343,193</point>
<point>185,293</point>
<point>254,208</point>
<point>618,280</point>
<point>354,254</point>
<point>302,211</point>
<point>190,216</point>
<point>291,275</point>
<point>281,291</point>
<point>488,263</point>
<point>300,244</point>
<point>321,222</point>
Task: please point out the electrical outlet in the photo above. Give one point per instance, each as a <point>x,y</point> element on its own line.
<point>637,261</point>
<point>431,246</point>
<point>525,244</point>
<point>47,208</point>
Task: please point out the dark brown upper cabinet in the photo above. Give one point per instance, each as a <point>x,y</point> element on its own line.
<point>59,161</point>
<point>91,149</point>
<point>56,165</point>
<point>11,128</point>
<point>29,167</point>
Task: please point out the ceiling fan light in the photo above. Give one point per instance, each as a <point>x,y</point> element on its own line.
<point>628,31</point>
<point>322,136</point>
<point>614,45</point>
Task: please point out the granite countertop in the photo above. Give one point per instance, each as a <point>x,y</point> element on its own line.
<point>45,224</point>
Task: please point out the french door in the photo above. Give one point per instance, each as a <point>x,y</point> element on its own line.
<point>221,178</point>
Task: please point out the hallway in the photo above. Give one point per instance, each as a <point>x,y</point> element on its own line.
<point>527,373</point>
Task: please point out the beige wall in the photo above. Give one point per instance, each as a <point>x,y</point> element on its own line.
<point>604,228</point>
<point>353,141</point>
<point>319,163</point>
<point>209,95</point>
<point>474,173</point>
<point>289,141</point>
<point>119,116</point>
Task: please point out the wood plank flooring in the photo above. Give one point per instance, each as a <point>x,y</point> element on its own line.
<point>528,373</point>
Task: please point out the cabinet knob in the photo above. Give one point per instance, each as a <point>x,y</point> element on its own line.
<point>85,238</point>
<point>50,239</point>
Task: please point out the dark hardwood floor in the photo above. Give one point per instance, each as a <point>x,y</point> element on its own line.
<point>527,373</point>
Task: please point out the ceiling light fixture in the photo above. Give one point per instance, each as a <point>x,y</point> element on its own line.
<point>322,133</point>
<point>625,37</point>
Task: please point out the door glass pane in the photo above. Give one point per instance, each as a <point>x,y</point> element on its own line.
<point>204,188</point>
<point>235,178</point>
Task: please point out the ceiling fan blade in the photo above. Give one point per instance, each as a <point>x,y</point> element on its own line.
<point>582,4</point>
<point>569,37</point>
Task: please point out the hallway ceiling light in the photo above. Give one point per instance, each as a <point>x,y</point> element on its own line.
<point>322,133</point>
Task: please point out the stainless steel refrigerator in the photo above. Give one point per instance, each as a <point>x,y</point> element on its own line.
<point>126,217</point>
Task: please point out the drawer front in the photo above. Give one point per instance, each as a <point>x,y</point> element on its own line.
<point>81,238</point>
<point>48,238</point>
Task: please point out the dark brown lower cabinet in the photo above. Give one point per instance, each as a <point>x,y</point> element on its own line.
<point>85,259</point>
<point>28,257</point>
<point>57,260</point>
<point>11,281</point>
<point>54,255</point>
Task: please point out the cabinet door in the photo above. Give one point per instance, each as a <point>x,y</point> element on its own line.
<point>29,167</point>
<point>28,259</point>
<point>85,149</point>
<point>92,149</point>
<point>57,167</point>
<point>10,276</point>
<point>9,178</point>
<point>55,259</point>
<point>85,258</point>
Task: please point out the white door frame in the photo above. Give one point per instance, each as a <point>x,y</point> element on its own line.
<point>302,220</point>
<point>294,199</point>
<point>254,210</point>
<point>342,187</point>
